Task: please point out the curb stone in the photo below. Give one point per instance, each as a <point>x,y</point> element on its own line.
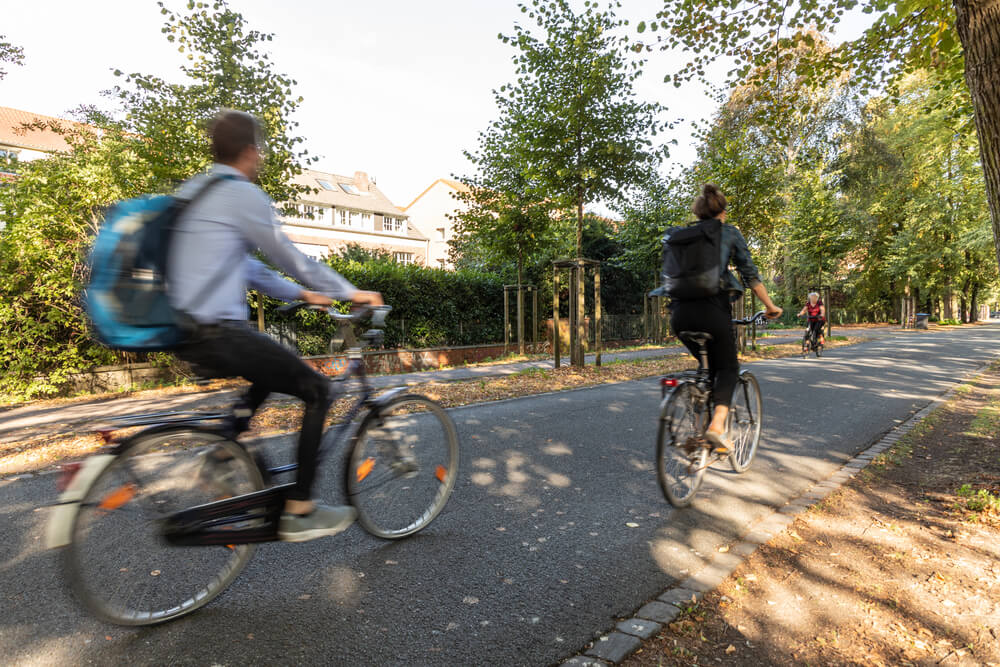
<point>609,647</point>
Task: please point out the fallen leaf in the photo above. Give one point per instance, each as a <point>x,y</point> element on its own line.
<point>730,649</point>
<point>632,524</point>
<point>723,549</point>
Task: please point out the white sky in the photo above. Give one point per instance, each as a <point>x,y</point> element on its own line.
<point>396,88</point>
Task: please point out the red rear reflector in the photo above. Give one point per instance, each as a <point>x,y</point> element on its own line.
<point>669,382</point>
<point>66,474</point>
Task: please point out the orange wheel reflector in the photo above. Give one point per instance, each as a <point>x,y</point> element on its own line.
<point>118,497</point>
<point>441,473</point>
<point>231,546</point>
<point>365,468</point>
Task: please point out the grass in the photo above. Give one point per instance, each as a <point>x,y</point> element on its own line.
<point>981,501</point>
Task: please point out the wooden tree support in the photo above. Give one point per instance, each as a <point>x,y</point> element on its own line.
<point>520,294</point>
<point>577,319</point>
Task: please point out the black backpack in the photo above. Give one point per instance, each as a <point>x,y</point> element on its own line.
<point>691,257</point>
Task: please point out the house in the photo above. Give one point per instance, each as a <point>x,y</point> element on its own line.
<point>429,214</point>
<point>20,145</point>
<point>344,210</point>
<point>339,211</point>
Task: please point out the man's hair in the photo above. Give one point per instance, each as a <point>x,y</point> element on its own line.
<point>232,132</point>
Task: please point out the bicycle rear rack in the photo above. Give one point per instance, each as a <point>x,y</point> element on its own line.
<point>155,418</point>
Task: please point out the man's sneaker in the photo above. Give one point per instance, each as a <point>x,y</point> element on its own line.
<point>322,521</point>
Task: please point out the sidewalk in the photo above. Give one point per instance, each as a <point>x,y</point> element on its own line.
<point>901,566</point>
<point>33,421</point>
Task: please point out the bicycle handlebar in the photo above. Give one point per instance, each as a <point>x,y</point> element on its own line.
<point>359,314</point>
<point>759,318</point>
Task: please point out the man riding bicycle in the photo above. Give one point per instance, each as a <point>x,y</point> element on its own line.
<point>816,312</point>
<point>220,229</point>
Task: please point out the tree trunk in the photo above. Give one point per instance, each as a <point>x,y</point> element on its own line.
<point>978,26</point>
<point>520,309</point>
<point>974,304</point>
<point>579,224</point>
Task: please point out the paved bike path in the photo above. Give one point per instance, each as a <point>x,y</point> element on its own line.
<point>537,549</point>
<point>32,421</point>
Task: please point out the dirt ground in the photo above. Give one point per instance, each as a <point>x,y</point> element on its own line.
<point>900,567</point>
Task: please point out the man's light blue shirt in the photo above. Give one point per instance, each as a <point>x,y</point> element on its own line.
<point>209,266</point>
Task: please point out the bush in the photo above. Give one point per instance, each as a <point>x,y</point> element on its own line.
<point>430,307</point>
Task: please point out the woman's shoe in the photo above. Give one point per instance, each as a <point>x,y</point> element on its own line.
<point>721,445</point>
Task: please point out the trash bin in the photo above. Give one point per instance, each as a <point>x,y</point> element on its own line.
<point>920,321</point>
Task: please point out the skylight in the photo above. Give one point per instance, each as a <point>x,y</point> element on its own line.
<point>349,189</point>
<point>325,184</point>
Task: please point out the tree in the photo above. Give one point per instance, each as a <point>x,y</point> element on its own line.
<point>56,204</point>
<point>228,69</point>
<point>660,204</point>
<point>9,53</point>
<point>907,35</point>
<point>571,117</point>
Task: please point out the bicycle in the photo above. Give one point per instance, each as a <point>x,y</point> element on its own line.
<point>810,342</point>
<point>682,452</point>
<point>161,524</point>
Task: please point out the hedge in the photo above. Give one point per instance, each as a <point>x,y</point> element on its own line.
<point>430,307</point>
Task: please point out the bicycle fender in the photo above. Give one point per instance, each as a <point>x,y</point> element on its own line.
<point>59,531</point>
<point>382,400</point>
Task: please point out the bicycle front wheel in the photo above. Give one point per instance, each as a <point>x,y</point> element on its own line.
<point>403,466</point>
<point>745,419</point>
<point>118,563</point>
<point>681,454</point>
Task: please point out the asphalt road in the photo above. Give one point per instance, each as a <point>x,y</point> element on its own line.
<point>532,556</point>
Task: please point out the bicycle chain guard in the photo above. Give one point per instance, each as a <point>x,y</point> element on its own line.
<point>214,523</point>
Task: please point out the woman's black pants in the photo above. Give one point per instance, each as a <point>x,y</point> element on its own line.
<point>713,316</point>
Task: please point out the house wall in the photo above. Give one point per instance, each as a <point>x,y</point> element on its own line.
<point>338,238</point>
<point>429,214</point>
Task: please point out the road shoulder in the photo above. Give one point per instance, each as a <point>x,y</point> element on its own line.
<point>899,566</point>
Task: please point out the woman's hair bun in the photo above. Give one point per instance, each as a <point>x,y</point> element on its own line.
<point>710,203</point>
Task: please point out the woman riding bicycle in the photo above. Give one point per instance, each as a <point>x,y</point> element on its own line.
<point>816,312</point>
<point>713,314</point>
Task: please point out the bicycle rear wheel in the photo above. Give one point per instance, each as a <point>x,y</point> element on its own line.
<point>681,456</point>
<point>745,420</point>
<point>403,466</point>
<point>117,561</point>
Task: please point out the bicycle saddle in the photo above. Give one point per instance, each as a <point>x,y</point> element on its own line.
<point>698,337</point>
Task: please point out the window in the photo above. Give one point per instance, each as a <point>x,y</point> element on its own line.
<point>344,217</point>
<point>366,221</point>
<point>403,257</point>
<point>307,210</point>
<point>326,185</point>
<point>392,224</point>
<point>349,189</point>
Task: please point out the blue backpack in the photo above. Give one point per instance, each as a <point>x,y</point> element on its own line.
<point>126,299</point>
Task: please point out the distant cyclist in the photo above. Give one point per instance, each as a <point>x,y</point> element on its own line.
<point>816,312</point>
